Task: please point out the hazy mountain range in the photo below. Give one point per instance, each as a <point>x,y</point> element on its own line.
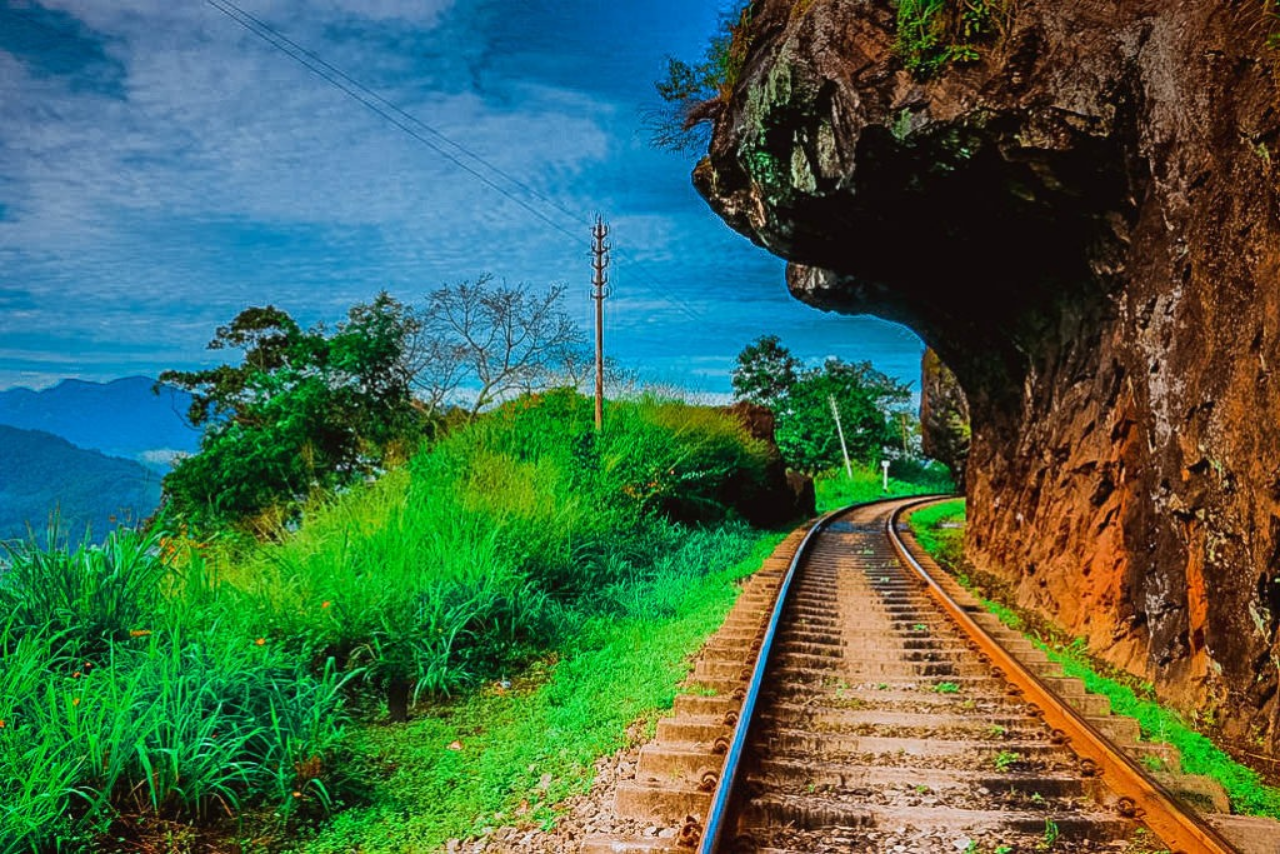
<point>41,473</point>
<point>121,418</point>
<point>93,451</point>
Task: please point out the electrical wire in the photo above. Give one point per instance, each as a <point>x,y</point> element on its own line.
<point>397,109</point>
<point>268,35</point>
<point>398,117</point>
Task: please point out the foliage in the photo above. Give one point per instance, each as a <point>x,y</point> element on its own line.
<point>161,679</point>
<point>802,400</point>
<point>806,432</point>
<point>691,92</point>
<point>502,339</point>
<point>504,534</point>
<point>93,596</point>
<point>939,528</point>
<point>1249,795</point>
<point>933,33</point>
<point>118,697</point>
<point>522,749</point>
<point>836,489</point>
<point>305,410</point>
<point>766,372</point>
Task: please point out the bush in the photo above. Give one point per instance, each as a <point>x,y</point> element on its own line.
<point>160,678</point>
<point>94,595</point>
<point>509,530</point>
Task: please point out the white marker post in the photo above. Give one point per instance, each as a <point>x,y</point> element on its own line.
<point>884,465</point>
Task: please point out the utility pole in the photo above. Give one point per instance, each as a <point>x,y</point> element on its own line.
<point>844,449</point>
<point>599,282</point>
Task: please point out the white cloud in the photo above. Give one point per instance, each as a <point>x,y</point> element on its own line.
<point>216,131</point>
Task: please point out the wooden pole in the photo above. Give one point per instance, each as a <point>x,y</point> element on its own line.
<point>600,279</point>
<point>844,449</point>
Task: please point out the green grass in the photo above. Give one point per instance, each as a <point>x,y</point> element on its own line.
<point>157,686</point>
<point>526,749</point>
<point>939,528</point>
<point>1249,795</point>
<point>933,33</point>
<point>835,489</point>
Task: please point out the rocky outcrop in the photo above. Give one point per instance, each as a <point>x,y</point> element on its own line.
<point>775,496</point>
<point>1083,223</point>
<point>945,430</point>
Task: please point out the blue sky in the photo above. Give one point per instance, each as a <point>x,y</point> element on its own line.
<point>161,168</point>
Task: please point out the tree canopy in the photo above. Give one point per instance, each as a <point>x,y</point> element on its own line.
<point>304,409</point>
<point>868,400</point>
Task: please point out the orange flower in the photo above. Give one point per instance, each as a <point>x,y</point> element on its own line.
<point>76,701</point>
<point>325,604</point>
<point>1,723</point>
<point>261,641</point>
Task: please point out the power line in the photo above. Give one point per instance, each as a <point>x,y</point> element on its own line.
<point>268,35</point>
<point>382,106</point>
<point>347,78</point>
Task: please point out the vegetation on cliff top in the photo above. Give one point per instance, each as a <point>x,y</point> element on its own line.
<point>933,33</point>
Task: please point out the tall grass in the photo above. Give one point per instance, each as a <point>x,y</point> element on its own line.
<point>134,711</point>
<point>836,488</point>
<point>155,677</point>
<point>503,537</point>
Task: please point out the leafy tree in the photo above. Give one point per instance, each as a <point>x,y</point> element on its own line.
<point>305,409</point>
<point>869,403</point>
<point>766,371</point>
<point>499,339</point>
<point>806,430</point>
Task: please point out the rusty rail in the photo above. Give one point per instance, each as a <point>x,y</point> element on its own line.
<point>1142,797</point>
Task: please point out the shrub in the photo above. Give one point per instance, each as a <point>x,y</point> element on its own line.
<point>94,594</point>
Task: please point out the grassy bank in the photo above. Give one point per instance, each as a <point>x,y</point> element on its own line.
<point>507,755</point>
<point>162,693</point>
<point>939,529</point>
<point>837,488</point>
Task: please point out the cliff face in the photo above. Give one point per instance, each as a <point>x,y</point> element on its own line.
<point>1083,223</point>
<point>944,415</point>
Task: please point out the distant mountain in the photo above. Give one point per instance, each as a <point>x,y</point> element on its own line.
<point>40,472</point>
<point>122,418</point>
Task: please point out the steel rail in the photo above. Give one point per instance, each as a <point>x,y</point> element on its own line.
<point>718,814</point>
<point>1149,802</point>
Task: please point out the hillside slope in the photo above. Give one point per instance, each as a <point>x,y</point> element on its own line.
<point>40,472</point>
<point>122,418</point>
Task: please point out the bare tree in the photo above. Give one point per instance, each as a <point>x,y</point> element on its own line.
<point>438,367</point>
<point>500,338</point>
<point>577,370</point>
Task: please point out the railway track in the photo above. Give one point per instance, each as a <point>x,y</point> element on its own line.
<point>852,702</point>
